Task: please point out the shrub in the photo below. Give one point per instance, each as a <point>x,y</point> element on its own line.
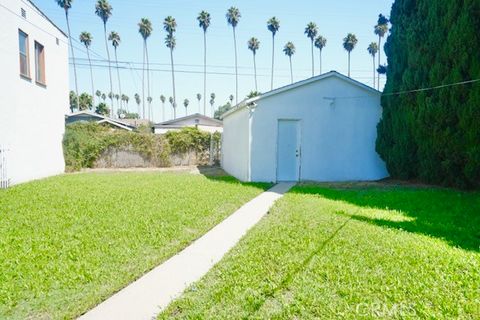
<point>84,143</point>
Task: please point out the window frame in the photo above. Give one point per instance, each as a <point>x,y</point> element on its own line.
<point>40,64</point>
<point>26,55</point>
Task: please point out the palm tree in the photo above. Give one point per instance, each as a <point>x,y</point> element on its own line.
<point>123,99</point>
<point>199,97</point>
<point>380,29</point>
<point>254,45</point>
<point>185,104</point>
<point>233,16</point>
<point>127,99</point>
<point>311,31</point>
<point>231,99</point>
<point>174,106</point>
<point>117,97</point>
<point>137,101</point>
<point>86,39</point>
<point>115,38</point>
<point>320,43</point>
<point>66,5</point>
<point>170,25</point>
<point>204,22</point>
<point>382,69</point>
<point>111,96</point>
<point>145,29</point>
<point>103,9</point>
<point>289,50</point>
<point>162,99</point>
<point>349,43</point>
<point>212,102</point>
<point>98,93</point>
<point>273,25</point>
<point>104,97</point>
<point>150,114</point>
<point>373,49</point>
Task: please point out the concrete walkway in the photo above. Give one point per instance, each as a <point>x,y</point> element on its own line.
<point>146,297</point>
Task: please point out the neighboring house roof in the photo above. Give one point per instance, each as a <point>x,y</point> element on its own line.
<point>136,122</point>
<point>84,115</point>
<point>116,124</point>
<point>330,74</point>
<point>46,17</point>
<point>207,121</point>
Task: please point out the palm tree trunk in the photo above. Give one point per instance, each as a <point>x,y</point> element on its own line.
<point>118,76</point>
<point>273,59</point>
<point>379,53</point>
<point>313,62</point>
<point>163,112</point>
<point>320,61</point>
<point>236,66</point>
<point>148,81</point>
<point>143,80</point>
<point>349,64</point>
<point>109,67</point>
<point>373,71</point>
<point>204,74</point>
<point>91,75</point>
<point>73,59</point>
<point>173,76</point>
<point>255,71</point>
<point>291,70</point>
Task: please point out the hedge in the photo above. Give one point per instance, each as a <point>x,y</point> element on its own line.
<point>84,143</point>
<point>433,135</point>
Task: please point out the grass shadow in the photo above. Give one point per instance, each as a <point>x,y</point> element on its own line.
<point>447,214</point>
<point>216,173</point>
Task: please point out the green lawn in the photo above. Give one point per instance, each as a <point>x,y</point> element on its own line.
<point>359,252</point>
<point>69,242</point>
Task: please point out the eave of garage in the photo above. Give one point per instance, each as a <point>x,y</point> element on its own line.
<point>247,102</point>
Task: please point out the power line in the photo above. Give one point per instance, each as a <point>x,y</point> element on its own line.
<point>168,70</point>
<point>188,71</point>
<point>201,65</point>
<point>47,32</point>
<point>416,90</point>
<point>432,88</point>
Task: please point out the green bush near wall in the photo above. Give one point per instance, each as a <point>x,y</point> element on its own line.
<point>84,143</point>
<point>433,135</point>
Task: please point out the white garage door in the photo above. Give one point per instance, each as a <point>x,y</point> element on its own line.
<point>288,150</point>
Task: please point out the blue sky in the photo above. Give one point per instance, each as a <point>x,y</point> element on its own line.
<point>334,18</point>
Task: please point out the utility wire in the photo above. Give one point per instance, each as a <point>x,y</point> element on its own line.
<point>187,71</point>
<point>51,34</point>
<point>201,65</point>
<point>413,90</point>
<point>432,88</point>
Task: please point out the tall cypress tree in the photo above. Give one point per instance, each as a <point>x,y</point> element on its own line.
<point>433,135</point>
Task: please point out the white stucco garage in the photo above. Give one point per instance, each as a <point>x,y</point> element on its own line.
<point>320,129</point>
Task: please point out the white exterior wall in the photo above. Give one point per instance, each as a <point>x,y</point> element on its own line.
<point>32,120</point>
<point>337,140</point>
<point>236,144</point>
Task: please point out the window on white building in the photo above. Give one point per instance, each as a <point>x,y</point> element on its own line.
<point>39,63</point>
<point>24,56</point>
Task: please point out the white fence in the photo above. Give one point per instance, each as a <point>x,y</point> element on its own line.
<point>4,180</point>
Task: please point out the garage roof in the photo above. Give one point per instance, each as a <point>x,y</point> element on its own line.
<point>247,102</point>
